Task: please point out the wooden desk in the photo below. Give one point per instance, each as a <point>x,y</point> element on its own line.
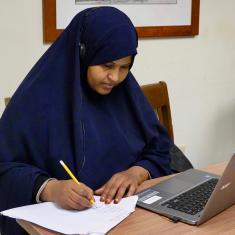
<point>145,222</point>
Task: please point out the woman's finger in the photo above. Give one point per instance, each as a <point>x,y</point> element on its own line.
<point>108,186</point>
<point>132,190</point>
<point>121,192</point>
<point>80,200</point>
<point>113,189</point>
<point>99,191</point>
<point>83,191</point>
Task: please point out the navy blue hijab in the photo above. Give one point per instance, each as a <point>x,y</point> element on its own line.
<point>54,115</point>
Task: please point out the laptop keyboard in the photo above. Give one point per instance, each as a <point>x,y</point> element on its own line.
<point>194,200</point>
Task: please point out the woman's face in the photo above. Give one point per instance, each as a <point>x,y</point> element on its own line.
<point>103,78</point>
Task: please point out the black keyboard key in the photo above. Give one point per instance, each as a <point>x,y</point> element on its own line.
<point>194,200</point>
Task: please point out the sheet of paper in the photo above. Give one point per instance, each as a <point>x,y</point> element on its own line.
<point>97,220</point>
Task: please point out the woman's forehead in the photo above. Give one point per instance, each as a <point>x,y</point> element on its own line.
<point>124,60</point>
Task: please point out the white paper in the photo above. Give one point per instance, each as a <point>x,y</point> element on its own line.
<point>97,220</point>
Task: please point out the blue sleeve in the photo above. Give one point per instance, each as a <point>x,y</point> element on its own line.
<point>155,156</point>
<point>17,174</point>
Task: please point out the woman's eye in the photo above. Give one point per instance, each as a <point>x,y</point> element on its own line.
<point>126,67</point>
<point>109,66</point>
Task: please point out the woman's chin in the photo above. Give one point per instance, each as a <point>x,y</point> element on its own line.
<point>104,91</point>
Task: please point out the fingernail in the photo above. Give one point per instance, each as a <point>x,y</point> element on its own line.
<point>102,199</point>
<point>107,201</point>
<point>116,200</point>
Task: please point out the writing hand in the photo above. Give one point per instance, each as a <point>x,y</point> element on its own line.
<point>67,194</point>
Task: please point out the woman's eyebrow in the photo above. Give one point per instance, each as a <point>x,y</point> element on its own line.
<point>126,64</point>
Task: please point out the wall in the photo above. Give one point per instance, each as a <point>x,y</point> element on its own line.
<point>199,71</point>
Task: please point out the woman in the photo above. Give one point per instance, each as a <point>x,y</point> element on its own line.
<point>80,104</point>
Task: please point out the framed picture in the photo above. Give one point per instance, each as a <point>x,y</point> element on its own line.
<point>152,18</point>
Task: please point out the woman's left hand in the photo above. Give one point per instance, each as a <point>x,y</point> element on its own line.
<point>122,183</point>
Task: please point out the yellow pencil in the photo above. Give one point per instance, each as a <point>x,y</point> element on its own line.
<point>72,176</point>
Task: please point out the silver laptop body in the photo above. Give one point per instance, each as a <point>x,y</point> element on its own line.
<point>222,195</point>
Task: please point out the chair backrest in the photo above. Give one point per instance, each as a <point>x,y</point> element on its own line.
<point>157,95</point>
<point>7,100</point>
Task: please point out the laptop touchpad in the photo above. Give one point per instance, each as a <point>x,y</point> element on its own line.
<point>173,186</point>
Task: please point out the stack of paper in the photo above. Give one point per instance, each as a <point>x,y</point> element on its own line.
<point>97,220</point>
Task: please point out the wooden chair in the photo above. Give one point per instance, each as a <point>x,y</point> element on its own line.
<point>157,95</point>
<point>7,100</point>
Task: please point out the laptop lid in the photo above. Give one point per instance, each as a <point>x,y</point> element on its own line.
<point>154,197</point>
<point>223,195</point>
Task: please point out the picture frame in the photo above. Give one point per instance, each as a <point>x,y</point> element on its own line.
<point>51,32</point>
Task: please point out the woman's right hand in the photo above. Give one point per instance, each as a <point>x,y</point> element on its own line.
<point>68,194</point>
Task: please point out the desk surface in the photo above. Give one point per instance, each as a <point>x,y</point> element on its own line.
<point>145,222</point>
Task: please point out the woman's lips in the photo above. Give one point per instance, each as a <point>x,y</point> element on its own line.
<point>108,86</point>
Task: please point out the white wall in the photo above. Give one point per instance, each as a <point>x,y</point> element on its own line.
<point>199,71</point>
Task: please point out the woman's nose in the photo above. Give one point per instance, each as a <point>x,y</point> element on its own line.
<point>114,75</point>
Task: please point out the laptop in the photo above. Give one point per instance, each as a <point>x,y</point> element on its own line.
<point>192,196</point>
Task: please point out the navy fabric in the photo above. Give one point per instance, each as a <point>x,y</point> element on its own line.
<point>54,115</point>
